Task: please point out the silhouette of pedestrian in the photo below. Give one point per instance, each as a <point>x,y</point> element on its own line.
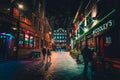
<point>87,57</point>
<point>44,52</point>
<point>48,55</point>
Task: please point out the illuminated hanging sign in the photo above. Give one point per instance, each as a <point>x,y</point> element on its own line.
<point>103,27</point>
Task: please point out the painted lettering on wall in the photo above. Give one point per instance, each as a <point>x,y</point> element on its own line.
<point>103,27</point>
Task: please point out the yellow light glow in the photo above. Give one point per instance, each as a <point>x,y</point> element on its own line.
<point>20,6</point>
<point>86,29</point>
<point>14,28</point>
<point>50,33</point>
<point>94,11</point>
<point>94,23</point>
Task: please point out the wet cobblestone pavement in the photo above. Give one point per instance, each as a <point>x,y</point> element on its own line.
<point>61,67</point>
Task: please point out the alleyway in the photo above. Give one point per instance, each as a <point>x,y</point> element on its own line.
<point>61,67</point>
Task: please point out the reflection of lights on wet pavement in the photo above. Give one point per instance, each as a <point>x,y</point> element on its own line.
<point>61,65</point>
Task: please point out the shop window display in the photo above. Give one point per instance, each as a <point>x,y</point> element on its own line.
<point>36,42</point>
<point>21,39</point>
<point>26,40</point>
<point>31,42</point>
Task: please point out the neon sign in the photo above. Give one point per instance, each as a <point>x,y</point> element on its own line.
<point>103,27</point>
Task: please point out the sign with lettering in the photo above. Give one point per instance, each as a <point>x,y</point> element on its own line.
<point>103,27</point>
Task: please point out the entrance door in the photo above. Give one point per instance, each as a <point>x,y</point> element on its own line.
<point>100,45</point>
<point>3,47</point>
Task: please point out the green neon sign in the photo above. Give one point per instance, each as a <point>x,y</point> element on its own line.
<point>97,24</point>
<point>103,27</point>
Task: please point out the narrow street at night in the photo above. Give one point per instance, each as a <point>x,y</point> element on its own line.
<point>59,39</point>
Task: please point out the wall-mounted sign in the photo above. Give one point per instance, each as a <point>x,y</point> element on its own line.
<point>103,27</point>
<point>108,40</point>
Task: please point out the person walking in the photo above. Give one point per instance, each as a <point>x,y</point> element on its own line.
<point>48,55</point>
<point>87,57</point>
<point>44,52</point>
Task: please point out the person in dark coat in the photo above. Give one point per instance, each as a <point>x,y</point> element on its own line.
<point>48,55</point>
<point>87,57</point>
<point>44,52</point>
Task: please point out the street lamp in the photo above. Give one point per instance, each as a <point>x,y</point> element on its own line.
<point>20,6</point>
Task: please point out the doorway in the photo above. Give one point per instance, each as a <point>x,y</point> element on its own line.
<point>100,45</point>
<point>3,47</point>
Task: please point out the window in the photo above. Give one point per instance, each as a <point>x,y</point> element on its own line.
<point>31,42</point>
<point>26,40</point>
<point>21,39</point>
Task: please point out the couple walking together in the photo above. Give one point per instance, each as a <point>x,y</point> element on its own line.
<point>46,52</point>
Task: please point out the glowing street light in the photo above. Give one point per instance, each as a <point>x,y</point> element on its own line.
<point>20,6</point>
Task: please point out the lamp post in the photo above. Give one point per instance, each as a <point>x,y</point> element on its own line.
<point>20,6</point>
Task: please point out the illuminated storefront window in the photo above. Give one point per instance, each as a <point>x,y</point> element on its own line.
<point>21,39</point>
<point>31,42</point>
<point>60,37</point>
<point>26,40</point>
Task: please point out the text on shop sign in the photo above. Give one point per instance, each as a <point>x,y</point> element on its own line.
<point>103,27</point>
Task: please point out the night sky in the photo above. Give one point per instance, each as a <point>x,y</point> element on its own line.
<point>61,12</point>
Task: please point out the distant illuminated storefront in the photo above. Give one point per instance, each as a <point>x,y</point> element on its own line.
<point>60,38</point>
